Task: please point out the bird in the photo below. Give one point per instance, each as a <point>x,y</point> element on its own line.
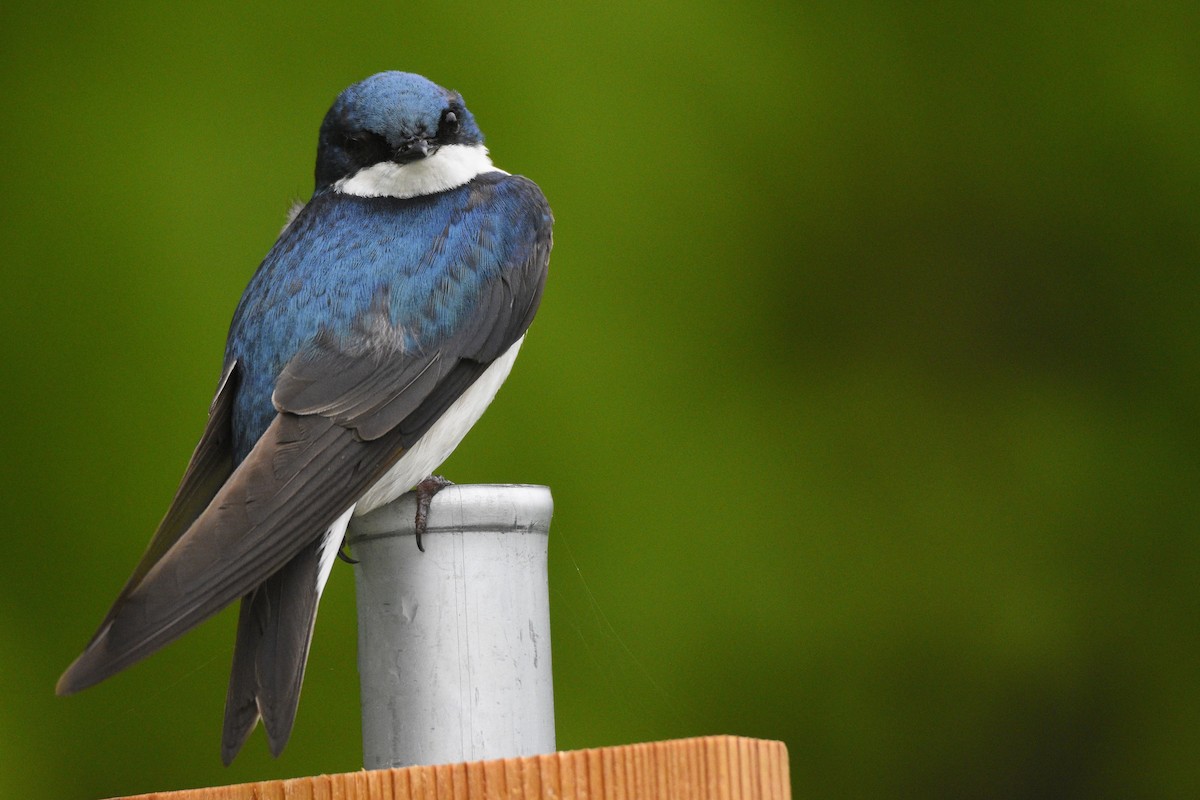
<point>371,338</point>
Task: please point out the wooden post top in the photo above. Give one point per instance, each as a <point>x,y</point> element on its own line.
<point>707,768</point>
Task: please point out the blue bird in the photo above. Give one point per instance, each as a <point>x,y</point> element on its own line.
<point>368,342</point>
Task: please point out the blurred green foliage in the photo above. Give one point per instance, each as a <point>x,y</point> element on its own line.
<point>866,379</point>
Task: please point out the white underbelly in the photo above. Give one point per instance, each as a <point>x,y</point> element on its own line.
<point>443,436</point>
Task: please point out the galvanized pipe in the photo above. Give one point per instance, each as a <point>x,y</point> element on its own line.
<point>454,643</point>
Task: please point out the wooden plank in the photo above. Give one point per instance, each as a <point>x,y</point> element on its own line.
<point>707,768</point>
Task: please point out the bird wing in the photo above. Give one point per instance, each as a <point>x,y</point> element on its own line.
<point>347,409</point>
<point>373,382</point>
<point>348,379</point>
<point>208,469</point>
<point>300,475</point>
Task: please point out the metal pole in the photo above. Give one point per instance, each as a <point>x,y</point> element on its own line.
<point>454,643</point>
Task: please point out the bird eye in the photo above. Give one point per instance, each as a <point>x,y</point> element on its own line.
<point>449,123</point>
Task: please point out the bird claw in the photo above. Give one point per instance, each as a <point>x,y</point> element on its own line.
<point>425,491</point>
<point>343,556</point>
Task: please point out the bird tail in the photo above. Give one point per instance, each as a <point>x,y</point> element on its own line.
<point>274,634</point>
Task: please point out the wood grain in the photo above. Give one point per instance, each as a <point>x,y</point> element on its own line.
<point>707,768</point>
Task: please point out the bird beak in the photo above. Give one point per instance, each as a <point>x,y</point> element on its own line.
<point>413,150</point>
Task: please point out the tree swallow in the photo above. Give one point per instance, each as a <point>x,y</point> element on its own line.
<point>368,342</point>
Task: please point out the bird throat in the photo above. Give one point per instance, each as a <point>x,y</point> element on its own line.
<point>451,166</point>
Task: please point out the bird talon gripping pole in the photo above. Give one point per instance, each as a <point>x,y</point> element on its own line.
<point>425,491</point>
<point>368,342</point>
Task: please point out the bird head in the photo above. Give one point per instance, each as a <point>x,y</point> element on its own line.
<point>390,121</point>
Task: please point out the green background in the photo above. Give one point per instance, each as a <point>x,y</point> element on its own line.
<point>866,378</point>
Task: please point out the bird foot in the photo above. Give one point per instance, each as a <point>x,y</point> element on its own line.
<point>344,556</point>
<point>425,490</point>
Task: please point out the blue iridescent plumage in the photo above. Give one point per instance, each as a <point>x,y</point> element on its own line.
<point>429,257</point>
<point>370,339</point>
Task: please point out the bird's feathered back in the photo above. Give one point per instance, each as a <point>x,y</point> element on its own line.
<point>368,319</point>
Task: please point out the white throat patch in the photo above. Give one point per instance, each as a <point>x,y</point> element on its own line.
<point>452,165</point>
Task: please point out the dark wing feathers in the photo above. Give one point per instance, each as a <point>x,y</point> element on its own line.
<point>360,391</point>
<point>209,467</point>
<point>348,406</point>
<point>293,484</point>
